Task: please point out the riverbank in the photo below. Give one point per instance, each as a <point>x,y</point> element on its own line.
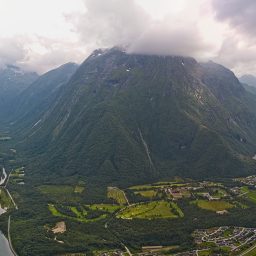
<point>9,237</point>
<point>5,246</point>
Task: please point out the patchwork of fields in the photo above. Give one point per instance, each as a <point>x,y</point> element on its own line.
<point>162,201</point>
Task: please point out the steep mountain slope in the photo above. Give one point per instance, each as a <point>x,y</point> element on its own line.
<point>37,98</point>
<point>13,81</point>
<point>125,119</point>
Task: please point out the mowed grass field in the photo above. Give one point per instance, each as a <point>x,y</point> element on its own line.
<point>105,207</point>
<point>151,210</point>
<point>213,205</point>
<point>141,187</point>
<point>156,186</point>
<point>117,194</point>
<point>251,194</point>
<point>146,193</point>
<point>78,215</point>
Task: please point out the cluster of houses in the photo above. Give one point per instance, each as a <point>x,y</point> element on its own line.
<point>234,238</point>
<point>250,180</point>
<point>177,192</point>
<point>186,191</point>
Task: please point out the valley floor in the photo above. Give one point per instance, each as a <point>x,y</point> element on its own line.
<point>171,217</point>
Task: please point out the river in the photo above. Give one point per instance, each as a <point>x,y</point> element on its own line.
<point>4,246</point>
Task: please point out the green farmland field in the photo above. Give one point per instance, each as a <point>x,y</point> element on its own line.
<point>146,193</point>
<point>152,210</point>
<point>213,205</point>
<point>117,194</point>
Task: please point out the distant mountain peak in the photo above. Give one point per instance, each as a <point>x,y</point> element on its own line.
<point>248,79</point>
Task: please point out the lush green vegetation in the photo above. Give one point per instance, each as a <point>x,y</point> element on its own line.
<point>251,194</point>
<point>73,213</point>
<point>117,194</point>
<point>204,253</point>
<point>105,207</point>
<point>151,210</point>
<point>213,205</point>
<point>79,189</point>
<point>61,193</point>
<point>141,187</point>
<point>147,193</point>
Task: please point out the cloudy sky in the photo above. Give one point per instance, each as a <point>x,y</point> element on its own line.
<point>42,34</point>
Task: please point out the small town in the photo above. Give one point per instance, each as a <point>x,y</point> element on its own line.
<point>230,237</point>
<point>250,180</point>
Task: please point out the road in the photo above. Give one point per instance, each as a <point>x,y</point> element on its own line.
<point>6,180</point>
<point>107,227</point>
<point>15,205</point>
<point>248,250</point>
<point>8,177</point>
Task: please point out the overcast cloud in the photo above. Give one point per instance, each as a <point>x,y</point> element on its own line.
<point>240,14</point>
<point>40,35</point>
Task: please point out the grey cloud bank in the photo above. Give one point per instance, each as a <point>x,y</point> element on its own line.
<point>126,23</point>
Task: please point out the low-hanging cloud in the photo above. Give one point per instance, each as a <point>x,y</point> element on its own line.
<point>238,50</point>
<point>112,22</point>
<point>125,23</point>
<point>11,51</point>
<point>162,39</point>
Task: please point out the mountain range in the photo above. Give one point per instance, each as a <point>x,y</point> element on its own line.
<point>124,119</point>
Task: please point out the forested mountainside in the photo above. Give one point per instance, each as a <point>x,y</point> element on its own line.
<point>35,100</point>
<point>126,118</point>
